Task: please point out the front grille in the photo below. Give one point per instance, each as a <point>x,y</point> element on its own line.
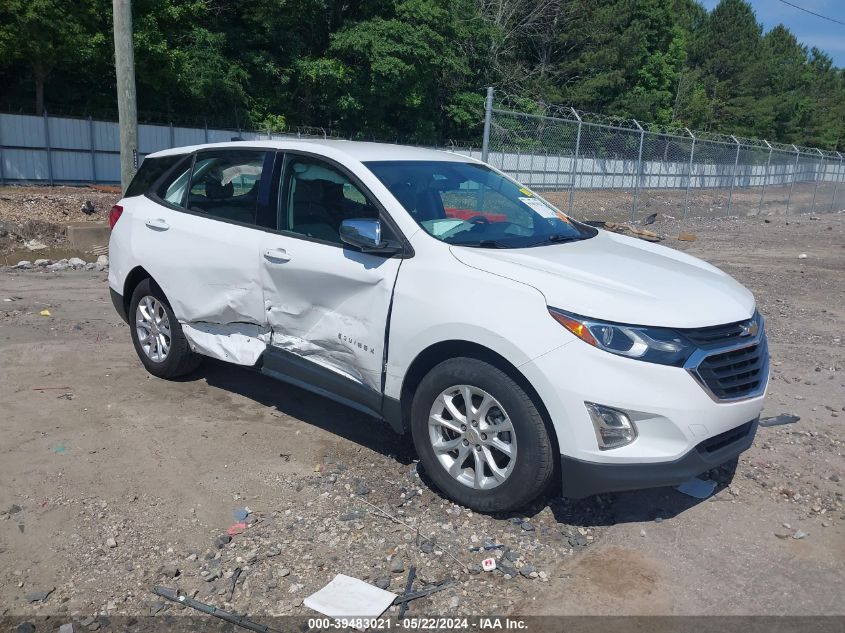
<point>720,441</point>
<point>737,373</point>
<point>720,335</point>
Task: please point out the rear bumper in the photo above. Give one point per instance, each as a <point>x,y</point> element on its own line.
<point>583,479</point>
<point>117,302</point>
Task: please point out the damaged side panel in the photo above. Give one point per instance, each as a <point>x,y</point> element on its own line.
<point>239,343</point>
<point>210,273</point>
<point>330,305</point>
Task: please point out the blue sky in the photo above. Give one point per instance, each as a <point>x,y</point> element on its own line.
<point>809,29</point>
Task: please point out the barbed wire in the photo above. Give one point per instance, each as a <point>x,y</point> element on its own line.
<point>520,104</point>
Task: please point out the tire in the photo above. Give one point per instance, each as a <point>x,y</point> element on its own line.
<point>533,464</point>
<point>178,359</point>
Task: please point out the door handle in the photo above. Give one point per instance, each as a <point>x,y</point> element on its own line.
<point>157,224</point>
<point>276,254</point>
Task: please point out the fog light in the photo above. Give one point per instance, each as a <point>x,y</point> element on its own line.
<point>613,427</point>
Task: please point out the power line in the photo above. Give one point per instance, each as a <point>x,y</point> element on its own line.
<point>818,15</point>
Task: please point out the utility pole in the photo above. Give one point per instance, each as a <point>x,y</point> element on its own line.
<point>127,107</point>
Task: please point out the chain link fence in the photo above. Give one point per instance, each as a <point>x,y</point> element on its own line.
<point>603,168</point>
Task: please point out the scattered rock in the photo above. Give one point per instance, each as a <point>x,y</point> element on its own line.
<point>527,570</point>
<point>39,596</point>
<point>397,565</point>
<point>41,263</point>
<point>24,263</point>
<point>799,534</point>
<point>102,262</point>
<point>362,490</point>
<point>222,541</point>
<point>169,570</point>
<point>354,515</point>
<point>578,540</point>
<point>76,262</point>
<point>111,543</point>
<point>25,627</point>
<point>527,526</point>
<point>382,582</point>
<point>427,547</point>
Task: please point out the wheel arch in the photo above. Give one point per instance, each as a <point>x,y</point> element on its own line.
<point>436,353</point>
<point>135,276</point>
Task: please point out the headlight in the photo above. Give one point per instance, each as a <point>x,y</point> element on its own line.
<point>651,344</point>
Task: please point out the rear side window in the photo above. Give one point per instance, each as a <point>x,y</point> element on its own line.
<point>224,184</point>
<point>175,186</point>
<point>150,171</point>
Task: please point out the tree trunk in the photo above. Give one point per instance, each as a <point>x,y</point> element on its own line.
<point>40,79</point>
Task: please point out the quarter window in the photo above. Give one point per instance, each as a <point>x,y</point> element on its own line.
<point>319,198</point>
<point>175,186</point>
<point>151,170</point>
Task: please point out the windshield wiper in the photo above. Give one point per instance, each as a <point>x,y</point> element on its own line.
<point>558,238</point>
<point>483,244</point>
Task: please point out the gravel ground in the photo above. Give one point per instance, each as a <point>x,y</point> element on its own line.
<point>114,481</point>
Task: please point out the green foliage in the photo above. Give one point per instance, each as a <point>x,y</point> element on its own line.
<point>415,70</point>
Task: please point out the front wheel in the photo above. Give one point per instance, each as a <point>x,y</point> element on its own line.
<point>480,436</point>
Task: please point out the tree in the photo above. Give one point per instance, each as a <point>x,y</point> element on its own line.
<point>45,35</point>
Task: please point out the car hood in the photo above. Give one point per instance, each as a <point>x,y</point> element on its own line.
<point>617,278</point>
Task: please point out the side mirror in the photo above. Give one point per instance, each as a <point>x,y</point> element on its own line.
<point>365,234</point>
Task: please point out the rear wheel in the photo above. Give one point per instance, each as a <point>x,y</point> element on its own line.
<point>157,335</point>
<point>480,436</point>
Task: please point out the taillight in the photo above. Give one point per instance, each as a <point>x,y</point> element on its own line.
<point>114,215</point>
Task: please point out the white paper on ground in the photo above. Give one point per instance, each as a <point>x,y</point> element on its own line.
<point>345,597</point>
<point>698,488</point>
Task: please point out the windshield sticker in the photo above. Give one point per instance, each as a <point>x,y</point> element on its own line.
<point>525,191</point>
<point>540,207</point>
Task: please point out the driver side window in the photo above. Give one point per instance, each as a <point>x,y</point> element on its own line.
<point>318,198</point>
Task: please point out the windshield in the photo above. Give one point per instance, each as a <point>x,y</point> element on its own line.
<point>472,205</point>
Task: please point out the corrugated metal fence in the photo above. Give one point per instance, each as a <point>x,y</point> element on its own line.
<point>61,150</point>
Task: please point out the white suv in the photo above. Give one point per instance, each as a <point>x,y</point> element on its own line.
<point>432,291</point>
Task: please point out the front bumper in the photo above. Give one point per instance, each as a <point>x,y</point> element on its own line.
<point>676,420</point>
<point>583,479</point>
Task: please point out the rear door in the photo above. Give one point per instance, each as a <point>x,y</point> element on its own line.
<point>200,240</point>
<point>327,304</point>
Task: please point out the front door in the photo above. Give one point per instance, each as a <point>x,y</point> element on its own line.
<point>326,303</point>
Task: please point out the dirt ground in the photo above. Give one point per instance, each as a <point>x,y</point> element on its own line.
<point>114,481</point>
